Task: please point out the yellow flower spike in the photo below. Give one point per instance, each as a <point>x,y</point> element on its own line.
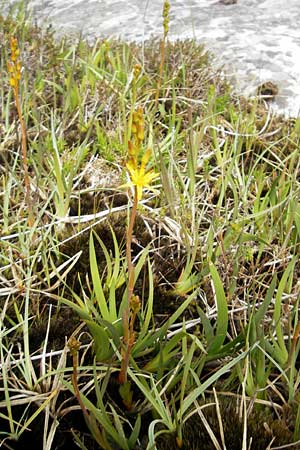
<point>14,65</point>
<point>166,17</point>
<point>137,127</point>
<point>136,167</point>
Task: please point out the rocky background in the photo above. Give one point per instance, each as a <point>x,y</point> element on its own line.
<point>257,40</point>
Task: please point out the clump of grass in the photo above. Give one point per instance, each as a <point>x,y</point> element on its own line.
<point>210,258</point>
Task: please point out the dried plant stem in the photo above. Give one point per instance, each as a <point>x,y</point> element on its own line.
<point>166,20</point>
<point>128,246</point>
<point>74,346</point>
<point>14,69</point>
<point>160,75</point>
<point>74,352</point>
<point>24,157</point>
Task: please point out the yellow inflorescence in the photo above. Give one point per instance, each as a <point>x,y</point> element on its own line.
<point>14,65</point>
<point>166,17</point>
<point>138,127</point>
<point>139,177</point>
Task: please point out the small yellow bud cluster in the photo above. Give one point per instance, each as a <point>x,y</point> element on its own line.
<point>135,304</point>
<point>14,65</point>
<point>136,71</point>
<point>166,17</point>
<point>74,345</point>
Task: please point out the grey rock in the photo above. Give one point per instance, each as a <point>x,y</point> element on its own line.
<point>228,2</point>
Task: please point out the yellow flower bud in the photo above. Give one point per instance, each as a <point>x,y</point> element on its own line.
<point>141,133</point>
<point>136,70</point>
<point>135,304</point>
<point>135,117</point>
<point>133,128</point>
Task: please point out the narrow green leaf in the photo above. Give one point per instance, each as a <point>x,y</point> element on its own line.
<point>152,395</point>
<point>208,329</point>
<point>101,301</point>
<point>61,205</point>
<point>100,415</point>
<point>119,428</point>
<point>137,270</point>
<point>261,312</point>
<point>195,394</point>
<point>166,353</point>
<point>151,339</point>
<point>135,432</point>
<point>116,269</point>
<point>149,307</point>
<point>222,311</point>
<point>283,354</point>
<point>108,267</point>
<point>103,350</point>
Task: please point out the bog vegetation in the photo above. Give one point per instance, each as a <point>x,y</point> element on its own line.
<point>150,231</point>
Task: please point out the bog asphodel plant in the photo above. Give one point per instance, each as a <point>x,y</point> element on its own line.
<point>14,68</point>
<point>139,178</point>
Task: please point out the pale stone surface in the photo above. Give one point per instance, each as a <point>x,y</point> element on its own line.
<point>258,40</point>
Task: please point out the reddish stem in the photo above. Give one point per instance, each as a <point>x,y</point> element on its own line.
<point>128,336</point>
<point>24,157</point>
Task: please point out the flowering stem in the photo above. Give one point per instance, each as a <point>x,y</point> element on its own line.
<point>14,70</point>
<point>128,335</point>
<point>24,157</point>
<point>128,246</point>
<point>166,10</point>
<point>160,75</point>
